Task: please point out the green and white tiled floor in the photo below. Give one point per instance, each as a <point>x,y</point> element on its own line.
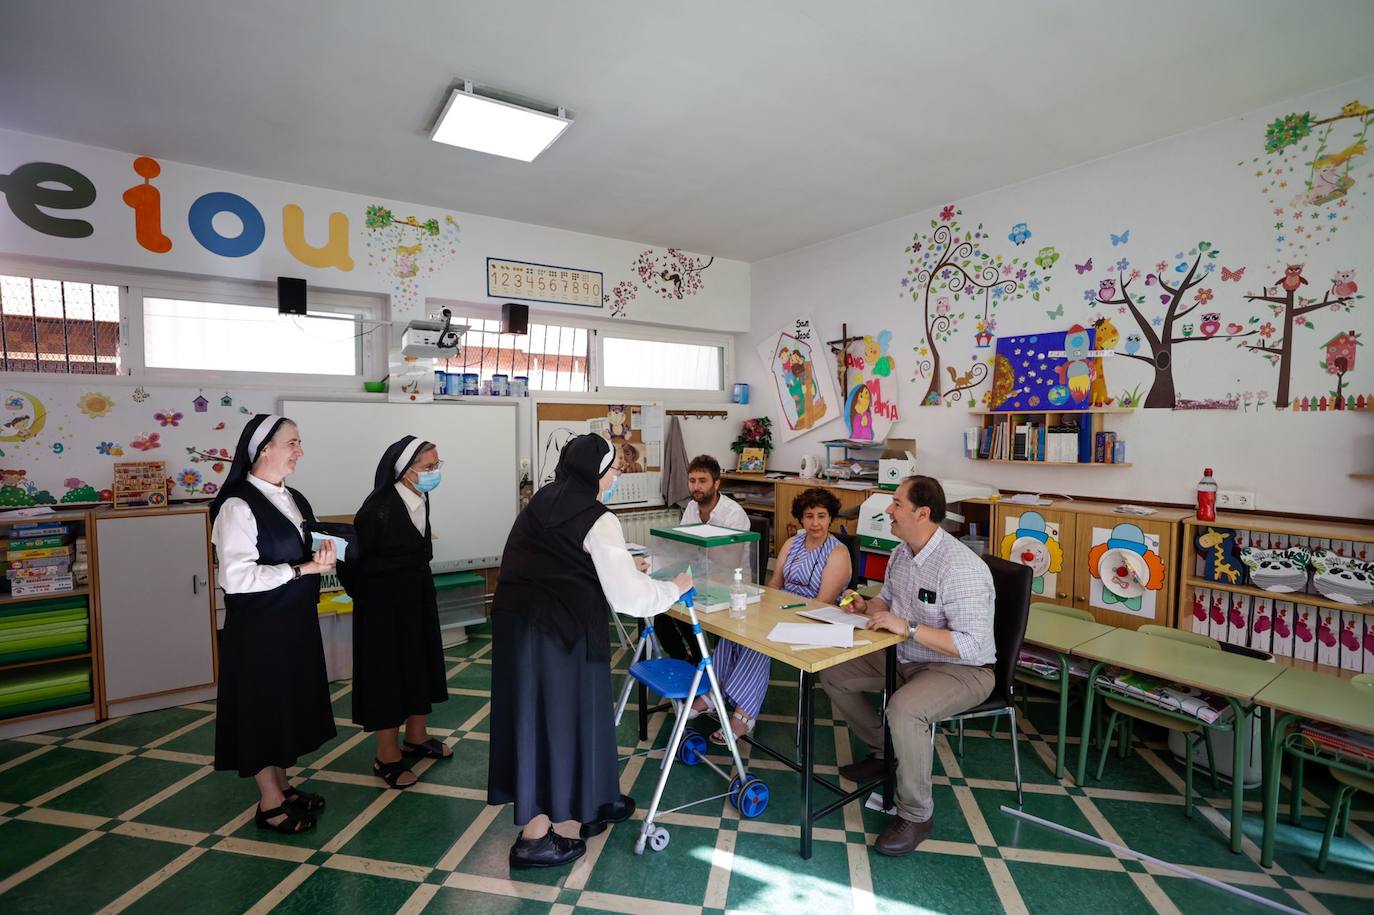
<point>128,815</point>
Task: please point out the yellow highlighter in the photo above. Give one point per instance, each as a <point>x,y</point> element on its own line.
<point>848,598</point>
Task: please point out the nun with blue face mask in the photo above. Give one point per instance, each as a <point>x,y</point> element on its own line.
<point>552,753</point>
<point>398,657</point>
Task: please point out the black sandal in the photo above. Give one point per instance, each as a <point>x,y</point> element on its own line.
<point>391,773</point>
<point>293,822</point>
<point>430,749</point>
<point>310,803</point>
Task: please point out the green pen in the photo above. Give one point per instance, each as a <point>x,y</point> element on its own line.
<point>793,606</point>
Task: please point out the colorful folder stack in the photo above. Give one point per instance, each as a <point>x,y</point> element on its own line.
<point>39,559</point>
<point>39,689</point>
<point>43,629</point>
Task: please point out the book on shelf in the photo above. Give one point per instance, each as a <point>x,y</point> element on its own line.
<point>39,574</point>
<point>35,543</point>
<point>30,531</point>
<point>31,587</point>
<point>47,552</point>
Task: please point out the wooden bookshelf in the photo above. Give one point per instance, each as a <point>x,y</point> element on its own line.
<point>1272,524</point>
<point>1007,421</point>
<point>92,709</point>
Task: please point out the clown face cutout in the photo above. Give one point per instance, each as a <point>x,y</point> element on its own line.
<point>1126,570</point>
<point>1032,541</point>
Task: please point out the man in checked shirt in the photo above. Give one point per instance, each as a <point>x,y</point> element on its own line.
<point>938,594</point>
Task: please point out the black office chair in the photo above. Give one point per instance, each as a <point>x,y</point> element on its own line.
<point>1012,583</point>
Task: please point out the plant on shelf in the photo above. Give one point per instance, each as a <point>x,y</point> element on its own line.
<point>755,433</point>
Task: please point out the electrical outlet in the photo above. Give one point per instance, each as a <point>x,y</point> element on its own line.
<point>1235,500</point>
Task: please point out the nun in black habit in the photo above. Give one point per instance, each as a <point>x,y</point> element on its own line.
<point>398,657</point>
<point>553,749</point>
<point>273,692</point>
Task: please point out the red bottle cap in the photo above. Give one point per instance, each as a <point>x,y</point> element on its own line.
<point>1207,472</point>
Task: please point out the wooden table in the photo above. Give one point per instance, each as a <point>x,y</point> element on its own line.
<point>752,632</point>
<point>1234,677</point>
<point>1061,634</point>
<point>1296,694</point>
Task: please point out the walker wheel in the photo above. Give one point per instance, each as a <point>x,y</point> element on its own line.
<point>752,799</point>
<point>692,749</point>
<point>658,839</point>
<point>734,791</point>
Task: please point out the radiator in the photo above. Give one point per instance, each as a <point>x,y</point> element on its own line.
<point>637,524</point>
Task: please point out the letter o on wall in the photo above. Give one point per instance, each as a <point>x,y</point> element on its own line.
<point>201,220</point>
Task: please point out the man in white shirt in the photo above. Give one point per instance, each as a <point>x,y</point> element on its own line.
<point>938,594</point>
<point>708,506</point>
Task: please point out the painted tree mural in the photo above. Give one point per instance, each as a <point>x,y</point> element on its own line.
<point>946,272</point>
<point>1292,311</point>
<point>1160,334</point>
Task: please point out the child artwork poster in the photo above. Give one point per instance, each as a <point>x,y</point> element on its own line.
<point>1126,571</point>
<point>1052,371</point>
<point>805,387</point>
<point>868,411</point>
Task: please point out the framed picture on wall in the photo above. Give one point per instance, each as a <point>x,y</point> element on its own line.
<point>752,460</point>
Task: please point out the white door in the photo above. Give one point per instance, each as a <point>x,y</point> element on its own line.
<point>156,617</point>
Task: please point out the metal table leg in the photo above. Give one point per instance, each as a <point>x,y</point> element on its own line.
<point>807,761</point>
<point>1087,723</point>
<point>1242,733</point>
<point>1274,750</point>
<point>1063,715</point>
<point>889,764</point>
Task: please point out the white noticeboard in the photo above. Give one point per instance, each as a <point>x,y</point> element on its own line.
<point>471,512</point>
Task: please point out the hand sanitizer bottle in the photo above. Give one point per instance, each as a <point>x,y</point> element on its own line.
<point>739,597</point>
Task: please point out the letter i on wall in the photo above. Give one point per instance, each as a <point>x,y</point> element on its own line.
<point>146,202</point>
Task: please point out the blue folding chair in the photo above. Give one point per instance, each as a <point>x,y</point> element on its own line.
<point>681,683</point>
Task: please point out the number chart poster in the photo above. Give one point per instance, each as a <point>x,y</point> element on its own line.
<point>804,382</point>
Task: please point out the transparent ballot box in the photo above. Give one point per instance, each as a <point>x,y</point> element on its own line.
<point>712,554</point>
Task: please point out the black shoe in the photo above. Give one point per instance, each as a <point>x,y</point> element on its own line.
<point>551,851</point>
<point>614,812</point>
<point>866,770</point>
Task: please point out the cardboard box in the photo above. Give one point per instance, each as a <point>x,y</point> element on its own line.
<point>1262,624</point>
<point>1284,619</point>
<point>898,461</point>
<point>1304,633</point>
<point>1351,638</point>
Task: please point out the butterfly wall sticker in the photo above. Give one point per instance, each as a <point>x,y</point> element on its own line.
<point>1084,268</point>
<point>1121,239</point>
<point>1229,274</point>
<point>1057,313</point>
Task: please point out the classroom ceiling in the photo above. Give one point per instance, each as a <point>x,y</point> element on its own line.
<point>739,129</point>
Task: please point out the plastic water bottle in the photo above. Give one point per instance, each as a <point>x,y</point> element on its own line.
<point>1207,497</point>
<point>739,597</point>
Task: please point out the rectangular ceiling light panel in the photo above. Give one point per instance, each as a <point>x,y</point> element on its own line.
<point>495,127</point>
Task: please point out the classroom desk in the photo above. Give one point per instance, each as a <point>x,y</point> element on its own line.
<point>1061,634</point>
<point>752,632</point>
<point>1296,694</point>
<point>1232,676</point>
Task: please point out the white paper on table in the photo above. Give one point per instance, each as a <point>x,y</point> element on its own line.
<point>835,615</point>
<point>857,642</point>
<point>811,634</point>
<point>706,530</point>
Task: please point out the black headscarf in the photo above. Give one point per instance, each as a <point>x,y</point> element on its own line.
<point>576,482</point>
<point>391,468</point>
<point>245,454</point>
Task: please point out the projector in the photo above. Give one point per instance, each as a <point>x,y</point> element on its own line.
<point>435,339</point>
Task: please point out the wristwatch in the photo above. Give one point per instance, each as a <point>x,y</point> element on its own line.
<point>911,630</point>
<point>295,572</point>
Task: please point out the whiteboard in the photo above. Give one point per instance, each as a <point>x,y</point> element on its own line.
<point>471,512</point>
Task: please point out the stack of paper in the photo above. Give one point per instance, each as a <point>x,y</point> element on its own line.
<point>811,634</point>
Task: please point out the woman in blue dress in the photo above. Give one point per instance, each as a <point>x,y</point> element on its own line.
<point>812,563</point>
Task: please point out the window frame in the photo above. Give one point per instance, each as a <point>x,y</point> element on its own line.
<point>135,285</point>
<point>726,343</point>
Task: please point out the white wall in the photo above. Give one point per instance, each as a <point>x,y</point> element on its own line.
<point>722,302</point>
<point>1171,195</point>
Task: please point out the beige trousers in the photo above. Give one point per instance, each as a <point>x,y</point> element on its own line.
<point>927,692</point>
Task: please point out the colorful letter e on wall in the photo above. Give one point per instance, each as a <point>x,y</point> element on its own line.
<point>28,191</point>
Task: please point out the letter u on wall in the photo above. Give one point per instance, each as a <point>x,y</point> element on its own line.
<point>334,253</point>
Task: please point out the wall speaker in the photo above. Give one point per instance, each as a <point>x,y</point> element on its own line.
<point>290,295</point>
<point>515,318</point>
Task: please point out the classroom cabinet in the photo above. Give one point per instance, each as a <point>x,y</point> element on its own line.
<point>1123,569</point>
<point>784,525</point>
<point>157,608</point>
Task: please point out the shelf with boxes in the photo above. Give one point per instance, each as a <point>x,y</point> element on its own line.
<point>49,654</point>
<point>1056,438</point>
<point>1300,590</point>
